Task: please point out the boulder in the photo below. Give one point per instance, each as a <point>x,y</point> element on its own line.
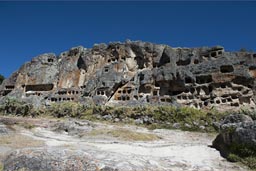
<point>58,159</point>
<point>236,130</point>
<point>73,127</point>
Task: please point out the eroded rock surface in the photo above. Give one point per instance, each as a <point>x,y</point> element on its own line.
<point>236,131</point>
<point>73,127</point>
<point>97,150</point>
<point>58,159</point>
<point>138,73</point>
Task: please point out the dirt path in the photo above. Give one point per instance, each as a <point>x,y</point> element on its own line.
<point>174,150</point>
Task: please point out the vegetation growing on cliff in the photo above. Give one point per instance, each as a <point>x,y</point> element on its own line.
<point>153,117</point>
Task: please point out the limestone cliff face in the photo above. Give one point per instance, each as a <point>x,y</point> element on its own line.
<point>137,72</point>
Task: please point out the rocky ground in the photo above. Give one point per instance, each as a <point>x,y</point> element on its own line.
<point>50,144</point>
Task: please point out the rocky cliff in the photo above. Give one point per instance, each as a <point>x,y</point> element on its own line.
<point>133,73</point>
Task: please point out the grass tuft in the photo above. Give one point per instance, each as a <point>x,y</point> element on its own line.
<point>19,141</point>
<point>124,134</point>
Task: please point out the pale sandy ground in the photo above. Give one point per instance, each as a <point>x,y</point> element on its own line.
<point>176,150</point>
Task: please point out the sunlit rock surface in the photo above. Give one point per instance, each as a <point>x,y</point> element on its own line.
<point>135,73</point>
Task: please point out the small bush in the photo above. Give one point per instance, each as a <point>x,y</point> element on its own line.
<point>243,153</point>
<point>65,109</point>
<point>233,158</point>
<point>15,107</point>
<point>125,134</point>
<point>251,113</point>
<point>250,162</point>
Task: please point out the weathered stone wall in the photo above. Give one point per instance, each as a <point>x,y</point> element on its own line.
<point>133,73</point>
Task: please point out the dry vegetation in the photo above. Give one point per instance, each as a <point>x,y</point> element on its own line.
<point>19,141</point>
<point>124,134</point>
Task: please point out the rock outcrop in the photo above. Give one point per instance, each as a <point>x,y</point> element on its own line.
<point>73,127</point>
<point>133,73</point>
<point>237,132</point>
<point>58,159</point>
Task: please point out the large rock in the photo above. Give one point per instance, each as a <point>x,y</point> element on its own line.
<point>73,127</point>
<point>137,73</point>
<point>236,130</point>
<point>57,159</point>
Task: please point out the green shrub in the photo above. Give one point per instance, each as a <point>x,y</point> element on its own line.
<point>243,153</point>
<point>250,162</point>
<point>251,113</point>
<point>66,109</point>
<point>15,107</point>
<point>233,158</point>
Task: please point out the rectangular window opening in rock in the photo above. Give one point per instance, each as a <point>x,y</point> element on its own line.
<point>234,96</point>
<point>196,61</point>
<point>223,85</point>
<point>9,87</point>
<point>213,54</point>
<point>39,87</point>
<point>223,100</point>
<point>183,62</point>
<point>188,80</point>
<point>50,60</point>
<point>229,99</point>
<point>192,90</point>
<point>155,93</point>
<point>106,69</point>
<point>144,89</point>
<point>246,92</point>
<point>162,100</point>
<point>202,79</point>
<point>129,91</point>
<point>226,69</point>
<point>200,105</point>
<point>168,100</point>
<point>174,93</point>
<point>191,97</point>
<point>235,104</point>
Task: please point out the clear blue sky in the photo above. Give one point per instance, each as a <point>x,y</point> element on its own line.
<point>28,29</point>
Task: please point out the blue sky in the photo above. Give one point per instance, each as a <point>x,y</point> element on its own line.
<point>28,29</point>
